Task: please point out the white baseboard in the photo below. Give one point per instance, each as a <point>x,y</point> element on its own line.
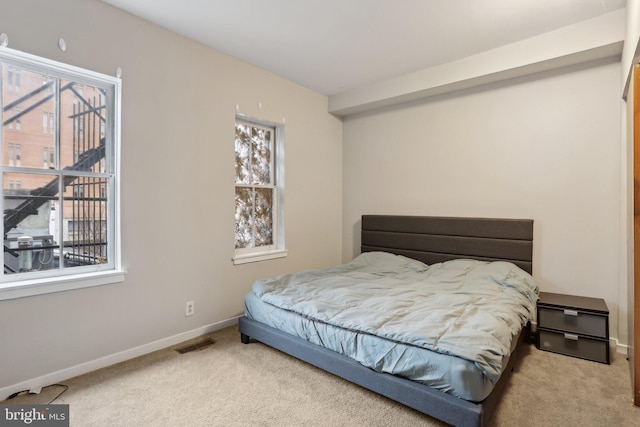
<point>102,362</point>
<point>620,348</point>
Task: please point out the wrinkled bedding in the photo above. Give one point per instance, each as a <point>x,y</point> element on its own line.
<point>449,374</point>
<point>464,308</point>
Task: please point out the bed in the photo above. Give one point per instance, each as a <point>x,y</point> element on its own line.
<point>465,390</point>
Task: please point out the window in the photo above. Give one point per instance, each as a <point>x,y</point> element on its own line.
<point>48,121</point>
<point>58,177</point>
<point>13,80</point>
<point>259,217</point>
<point>48,157</point>
<point>14,154</point>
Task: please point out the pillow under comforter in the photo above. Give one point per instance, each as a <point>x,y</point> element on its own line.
<point>466,308</point>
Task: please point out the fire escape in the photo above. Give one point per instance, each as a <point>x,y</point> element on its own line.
<point>87,243</point>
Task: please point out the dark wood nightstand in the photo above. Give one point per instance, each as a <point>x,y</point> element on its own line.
<point>573,326</point>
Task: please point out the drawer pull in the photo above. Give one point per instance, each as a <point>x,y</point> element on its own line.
<point>571,337</point>
<point>570,312</point>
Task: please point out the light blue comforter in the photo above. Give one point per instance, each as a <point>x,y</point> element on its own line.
<point>466,308</point>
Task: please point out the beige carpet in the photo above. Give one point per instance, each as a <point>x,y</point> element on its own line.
<point>231,384</point>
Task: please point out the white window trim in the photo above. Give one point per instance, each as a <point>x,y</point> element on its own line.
<point>83,278</point>
<point>28,288</point>
<point>278,250</point>
<point>259,256</point>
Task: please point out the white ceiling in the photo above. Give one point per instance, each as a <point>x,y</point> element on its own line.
<point>332,46</point>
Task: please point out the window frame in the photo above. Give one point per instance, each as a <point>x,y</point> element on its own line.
<point>277,249</point>
<point>37,283</point>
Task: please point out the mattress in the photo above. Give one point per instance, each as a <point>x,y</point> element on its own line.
<point>330,323</point>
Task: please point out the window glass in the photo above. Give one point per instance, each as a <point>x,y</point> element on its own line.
<point>257,214</point>
<point>58,171</point>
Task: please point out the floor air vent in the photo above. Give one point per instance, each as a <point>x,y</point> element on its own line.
<point>197,346</point>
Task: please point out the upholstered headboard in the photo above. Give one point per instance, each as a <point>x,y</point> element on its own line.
<point>438,239</point>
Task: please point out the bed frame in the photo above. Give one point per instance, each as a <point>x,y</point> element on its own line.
<point>428,239</point>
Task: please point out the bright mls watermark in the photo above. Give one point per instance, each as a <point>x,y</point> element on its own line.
<point>34,415</point>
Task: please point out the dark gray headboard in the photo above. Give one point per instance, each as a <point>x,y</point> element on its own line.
<point>438,239</point>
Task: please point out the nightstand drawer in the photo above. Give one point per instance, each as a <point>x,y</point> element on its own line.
<point>574,345</point>
<point>573,321</point>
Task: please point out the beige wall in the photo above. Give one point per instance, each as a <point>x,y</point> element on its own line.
<point>545,147</point>
<point>179,101</point>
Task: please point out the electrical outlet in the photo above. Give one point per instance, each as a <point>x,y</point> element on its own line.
<point>191,309</point>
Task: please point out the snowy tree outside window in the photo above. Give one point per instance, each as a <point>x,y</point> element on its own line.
<point>257,190</point>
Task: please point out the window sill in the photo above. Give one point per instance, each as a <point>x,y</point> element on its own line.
<point>259,256</point>
<point>29,288</point>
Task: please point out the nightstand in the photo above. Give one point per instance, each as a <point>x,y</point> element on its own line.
<point>573,326</point>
